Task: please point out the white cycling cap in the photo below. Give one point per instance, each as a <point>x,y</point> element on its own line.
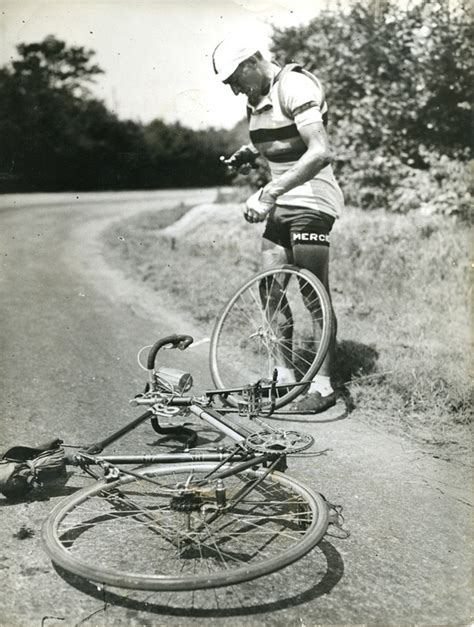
<point>229,54</point>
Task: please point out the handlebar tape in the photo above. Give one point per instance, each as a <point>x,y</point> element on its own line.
<point>177,341</point>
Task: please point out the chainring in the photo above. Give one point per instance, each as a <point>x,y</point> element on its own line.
<point>279,441</point>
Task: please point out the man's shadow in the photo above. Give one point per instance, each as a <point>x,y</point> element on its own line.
<point>352,360</point>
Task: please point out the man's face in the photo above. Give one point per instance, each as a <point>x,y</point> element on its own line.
<point>248,79</point>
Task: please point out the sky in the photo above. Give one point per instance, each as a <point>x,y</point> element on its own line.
<point>156,54</point>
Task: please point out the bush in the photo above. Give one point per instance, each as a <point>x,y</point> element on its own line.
<point>383,181</point>
<point>399,85</point>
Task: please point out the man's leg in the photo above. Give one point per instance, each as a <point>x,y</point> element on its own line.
<point>315,258</point>
<point>278,310</point>
<point>274,255</point>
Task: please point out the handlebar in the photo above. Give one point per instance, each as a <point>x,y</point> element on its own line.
<point>177,341</point>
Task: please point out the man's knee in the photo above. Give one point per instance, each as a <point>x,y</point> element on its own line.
<point>273,255</point>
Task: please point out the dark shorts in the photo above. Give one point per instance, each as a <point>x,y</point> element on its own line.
<point>287,226</point>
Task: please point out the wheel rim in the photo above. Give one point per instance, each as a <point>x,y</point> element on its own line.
<point>281,317</point>
<point>98,536</point>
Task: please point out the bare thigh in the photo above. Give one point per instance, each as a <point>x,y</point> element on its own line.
<point>274,255</point>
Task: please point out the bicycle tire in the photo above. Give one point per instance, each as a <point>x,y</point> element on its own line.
<point>92,534</point>
<point>242,349</point>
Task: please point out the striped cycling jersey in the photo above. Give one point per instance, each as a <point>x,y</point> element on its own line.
<point>275,134</point>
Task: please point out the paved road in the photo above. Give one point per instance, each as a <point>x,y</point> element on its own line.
<point>70,329</point>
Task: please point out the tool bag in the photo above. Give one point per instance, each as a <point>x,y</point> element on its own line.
<point>24,467</point>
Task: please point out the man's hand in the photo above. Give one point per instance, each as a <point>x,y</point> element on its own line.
<point>258,206</point>
<point>242,160</point>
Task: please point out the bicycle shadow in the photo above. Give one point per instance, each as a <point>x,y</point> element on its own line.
<point>232,601</point>
<point>175,443</point>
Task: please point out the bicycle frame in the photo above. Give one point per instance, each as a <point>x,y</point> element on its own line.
<point>226,506</point>
<point>168,404</point>
<point>237,433</point>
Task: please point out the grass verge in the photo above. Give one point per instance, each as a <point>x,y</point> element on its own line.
<point>400,290</point>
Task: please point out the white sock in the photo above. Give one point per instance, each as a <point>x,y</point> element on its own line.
<point>285,375</point>
<point>321,384</point>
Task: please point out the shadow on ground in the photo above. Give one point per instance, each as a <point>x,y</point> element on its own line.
<point>352,360</point>
<point>267,594</point>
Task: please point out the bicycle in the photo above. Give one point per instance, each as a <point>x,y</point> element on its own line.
<point>194,519</point>
<point>279,317</point>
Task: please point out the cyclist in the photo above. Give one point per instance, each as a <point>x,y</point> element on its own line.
<point>287,115</point>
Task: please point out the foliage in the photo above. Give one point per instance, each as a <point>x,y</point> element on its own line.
<point>182,157</point>
<point>399,85</point>
<point>52,65</point>
<point>398,78</point>
<point>55,135</point>
<point>383,181</point>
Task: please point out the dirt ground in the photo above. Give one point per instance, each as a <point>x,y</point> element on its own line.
<point>72,326</point>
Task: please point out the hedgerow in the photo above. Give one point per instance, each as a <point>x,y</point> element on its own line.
<point>399,88</point>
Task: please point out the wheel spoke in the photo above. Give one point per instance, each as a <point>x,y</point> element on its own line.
<point>279,318</point>
<point>140,532</point>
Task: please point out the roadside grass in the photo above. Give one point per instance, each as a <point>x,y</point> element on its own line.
<point>400,286</point>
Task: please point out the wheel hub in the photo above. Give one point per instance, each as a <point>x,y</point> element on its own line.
<point>186,502</point>
<point>266,334</point>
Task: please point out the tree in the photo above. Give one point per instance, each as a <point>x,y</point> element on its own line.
<point>51,65</point>
<point>183,157</point>
<point>55,135</point>
<point>399,85</point>
<point>397,78</point>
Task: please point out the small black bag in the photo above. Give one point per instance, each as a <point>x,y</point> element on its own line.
<point>23,467</point>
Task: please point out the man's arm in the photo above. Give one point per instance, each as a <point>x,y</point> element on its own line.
<point>318,156</point>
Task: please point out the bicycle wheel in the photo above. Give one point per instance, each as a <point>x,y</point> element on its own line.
<point>164,535</point>
<point>279,317</point>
